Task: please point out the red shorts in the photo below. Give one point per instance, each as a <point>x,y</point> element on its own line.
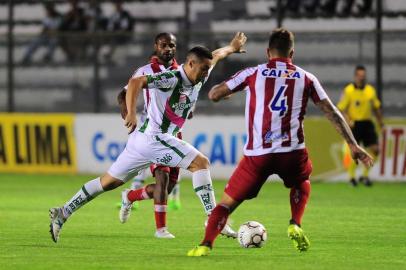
<point>293,167</point>
<point>173,172</point>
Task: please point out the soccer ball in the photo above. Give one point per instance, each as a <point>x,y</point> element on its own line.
<point>252,234</point>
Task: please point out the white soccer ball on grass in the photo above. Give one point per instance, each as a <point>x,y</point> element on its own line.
<point>252,234</point>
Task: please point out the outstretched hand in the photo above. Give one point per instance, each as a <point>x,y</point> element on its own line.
<point>358,153</point>
<point>238,42</point>
<point>130,122</point>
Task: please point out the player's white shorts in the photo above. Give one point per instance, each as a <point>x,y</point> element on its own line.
<point>144,149</point>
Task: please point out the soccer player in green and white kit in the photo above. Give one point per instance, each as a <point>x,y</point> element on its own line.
<point>174,94</point>
<point>166,178</point>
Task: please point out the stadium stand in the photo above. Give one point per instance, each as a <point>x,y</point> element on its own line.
<point>69,86</point>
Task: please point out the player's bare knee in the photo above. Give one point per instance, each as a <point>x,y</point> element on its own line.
<point>108,182</point>
<point>202,162</point>
<point>229,202</point>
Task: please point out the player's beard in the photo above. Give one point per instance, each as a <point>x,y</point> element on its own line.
<point>166,57</point>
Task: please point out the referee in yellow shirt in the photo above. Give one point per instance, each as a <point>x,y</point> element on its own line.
<point>358,102</point>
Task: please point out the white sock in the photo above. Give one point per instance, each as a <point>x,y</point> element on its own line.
<point>89,191</point>
<point>204,189</point>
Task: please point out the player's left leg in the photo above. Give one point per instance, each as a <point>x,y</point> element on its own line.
<point>128,164</point>
<point>299,196</point>
<point>295,168</point>
<point>157,191</point>
<point>369,139</point>
<point>352,170</point>
<point>204,190</point>
<point>245,183</point>
<point>215,224</point>
<point>129,197</point>
<point>160,204</point>
<point>89,191</point>
<point>174,195</point>
<point>373,150</point>
<point>137,183</point>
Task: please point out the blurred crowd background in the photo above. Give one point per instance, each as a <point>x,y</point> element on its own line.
<point>75,56</point>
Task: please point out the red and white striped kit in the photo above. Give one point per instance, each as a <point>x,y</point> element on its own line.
<point>276,100</point>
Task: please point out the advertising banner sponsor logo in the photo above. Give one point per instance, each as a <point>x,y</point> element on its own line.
<point>393,149</point>
<point>37,143</point>
<point>391,164</point>
<point>221,139</point>
<point>100,139</point>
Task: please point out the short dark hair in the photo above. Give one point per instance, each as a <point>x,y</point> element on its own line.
<point>282,41</point>
<point>359,67</point>
<point>164,35</point>
<point>201,52</point>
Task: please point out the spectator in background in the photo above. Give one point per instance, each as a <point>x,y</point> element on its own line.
<point>96,22</point>
<point>328,7</point>
<point>365,7</point>
<point>74,21</point>
<point>121,24</point>
<point>357,103</point>
<point>95,18</point>
<point>310,6</point>
<point>47,37</point>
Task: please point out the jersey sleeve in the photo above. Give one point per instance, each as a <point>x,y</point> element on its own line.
<point>314,88</point>
<point>342,105</point>
<point>375,100</point>
<point>164,81</point>
<point>239,81</point>
<point>139,72</point>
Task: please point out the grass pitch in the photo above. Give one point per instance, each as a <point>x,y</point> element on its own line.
<point>349,228</point>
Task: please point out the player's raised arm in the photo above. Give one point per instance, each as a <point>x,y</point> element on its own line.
<point>219,91</point>
<point>235,83</point>
<point>135,86</point>
<point>236,46</point>
<point>338,121</point>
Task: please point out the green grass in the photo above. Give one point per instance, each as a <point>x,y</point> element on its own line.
<point>349,228</point>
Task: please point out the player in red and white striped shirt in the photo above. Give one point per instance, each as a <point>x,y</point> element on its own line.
<point>276,100</point>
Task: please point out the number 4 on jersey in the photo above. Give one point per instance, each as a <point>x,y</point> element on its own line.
<point>278,103</point>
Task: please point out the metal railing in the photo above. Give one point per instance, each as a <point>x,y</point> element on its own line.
<point>90,81</point>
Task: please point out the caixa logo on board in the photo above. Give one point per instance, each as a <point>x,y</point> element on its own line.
<point>220,148</point>
<point>104,149</point>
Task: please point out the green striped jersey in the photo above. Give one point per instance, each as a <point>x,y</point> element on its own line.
<point>172,99</point>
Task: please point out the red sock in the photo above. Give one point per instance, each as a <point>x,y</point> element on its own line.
<point>298,200</point>
<point>160,215</point>
<point>138,195</point>
<point>216,223</point>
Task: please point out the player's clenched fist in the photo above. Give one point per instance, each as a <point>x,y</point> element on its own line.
<point>238,42</point>
<point>130,122</point>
